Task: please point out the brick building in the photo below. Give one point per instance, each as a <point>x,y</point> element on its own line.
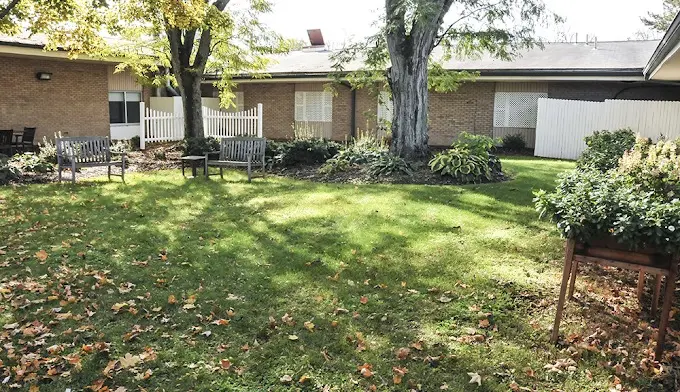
<point>48,91</point>
<point>502,100</point>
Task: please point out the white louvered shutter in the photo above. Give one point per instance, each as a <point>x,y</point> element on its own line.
<point>516,109</point>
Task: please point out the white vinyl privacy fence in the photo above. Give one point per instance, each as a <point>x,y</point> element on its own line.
<point>161,126</point>
<point>563,124</point>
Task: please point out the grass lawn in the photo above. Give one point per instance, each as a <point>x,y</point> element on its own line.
<point>173,284</point>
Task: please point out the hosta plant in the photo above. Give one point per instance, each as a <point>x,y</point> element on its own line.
<point>469,160</point>
<point>387,165</point>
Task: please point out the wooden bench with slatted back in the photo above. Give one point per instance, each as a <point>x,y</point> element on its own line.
<point>239,151</point>
<point>87,151</point>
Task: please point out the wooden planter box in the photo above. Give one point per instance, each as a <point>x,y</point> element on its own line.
<point>608,252</point>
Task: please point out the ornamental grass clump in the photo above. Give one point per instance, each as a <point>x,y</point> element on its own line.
<point>637,202</point>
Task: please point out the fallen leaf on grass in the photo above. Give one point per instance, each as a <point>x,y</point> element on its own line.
<point>309,326</point>
<point>364,300</point>
<point>221,322</point>
<point>304,378</point>
<point>399,373</point>
<point>444,299</point>
<point>365,370</point>
<point>41,255</point>
<point>225,364</point>
<point>475,378</point>
<point>484,323</point>
<point>172,300</point>
<point>403,353</point>
<point>293,337</point>
<point>286,379</point>
<point>129,360</point>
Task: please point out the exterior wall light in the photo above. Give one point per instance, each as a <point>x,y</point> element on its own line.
<point>44,76</point>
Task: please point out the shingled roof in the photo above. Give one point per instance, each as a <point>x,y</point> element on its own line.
<point>602,58</point>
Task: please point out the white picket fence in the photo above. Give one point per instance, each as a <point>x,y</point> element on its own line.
<point>160,126</point>
<point>224,124</point>
<point>562,125</point>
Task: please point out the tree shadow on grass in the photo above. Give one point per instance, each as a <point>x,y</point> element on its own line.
<point>265,249</point>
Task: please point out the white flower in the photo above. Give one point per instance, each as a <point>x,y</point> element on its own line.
<point>671,228</point>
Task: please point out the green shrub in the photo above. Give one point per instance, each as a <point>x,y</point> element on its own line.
<point>363,150</point>
<point>637,202</point>
<point>121,146</point>
<point>8,172</point>
<point>469,160</point>
<point>135,143</point>
<point>590,204</point>
<point>199,145</point>
<point>301,152</point>
<point>31,163</point>
<point>514,142</point>
<point>476,144</point>
<point>388,164</point>
<point>605,148</point>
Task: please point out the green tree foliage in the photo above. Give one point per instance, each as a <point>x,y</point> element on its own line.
<point>662,21</point>
<point>188,37</point>
<point>399,57</point>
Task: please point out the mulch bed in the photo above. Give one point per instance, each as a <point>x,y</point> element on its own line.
<point>166,156</point>
<point>157,157</point>
<point>421,175</point>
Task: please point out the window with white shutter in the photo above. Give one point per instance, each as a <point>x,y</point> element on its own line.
<point>385,108</point>
<point>238,101</point>
<point>316,106</point>
<point>516,109</point>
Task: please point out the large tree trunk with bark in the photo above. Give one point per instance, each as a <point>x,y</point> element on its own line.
<point>409,53</point>
<point>189,74</point>
<point>190,88</point>
<point>408,82</point>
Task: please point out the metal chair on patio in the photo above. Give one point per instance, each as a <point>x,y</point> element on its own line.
<point>6,136</point>
<point>24,141</point>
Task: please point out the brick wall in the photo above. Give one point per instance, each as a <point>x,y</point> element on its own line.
<point>342,113</point>
<point>278,107</point>
<point>74,102</point>
<point>469,109</point>
<point>366,110</point>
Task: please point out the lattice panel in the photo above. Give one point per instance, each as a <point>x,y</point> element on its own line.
<point>314,106</point>
<point>516,109</point>
<point>385,108</point>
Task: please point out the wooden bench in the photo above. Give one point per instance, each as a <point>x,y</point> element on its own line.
<point>86,151</point>
<point>239,151</point>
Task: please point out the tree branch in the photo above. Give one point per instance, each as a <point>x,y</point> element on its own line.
<point>221,4</point>
<point>463,17</point>
<point>8,9</point>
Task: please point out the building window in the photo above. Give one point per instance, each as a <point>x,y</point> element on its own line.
<point>124,107</point>
<point>385,109</point>
<point>516,109</point>
<point>314,106</point>
<point>238,102</point>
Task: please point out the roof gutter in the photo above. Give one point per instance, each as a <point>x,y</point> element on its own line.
<point>566,72</point>
<point>667,47</point>
<point>611,75</point>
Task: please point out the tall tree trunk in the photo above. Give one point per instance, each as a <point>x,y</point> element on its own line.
<point>190,88</point>
<point>409,53</point>
<point>408,82</point>
<point>190,75</point>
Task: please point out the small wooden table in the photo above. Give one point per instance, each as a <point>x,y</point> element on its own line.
<point>194,161</point>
